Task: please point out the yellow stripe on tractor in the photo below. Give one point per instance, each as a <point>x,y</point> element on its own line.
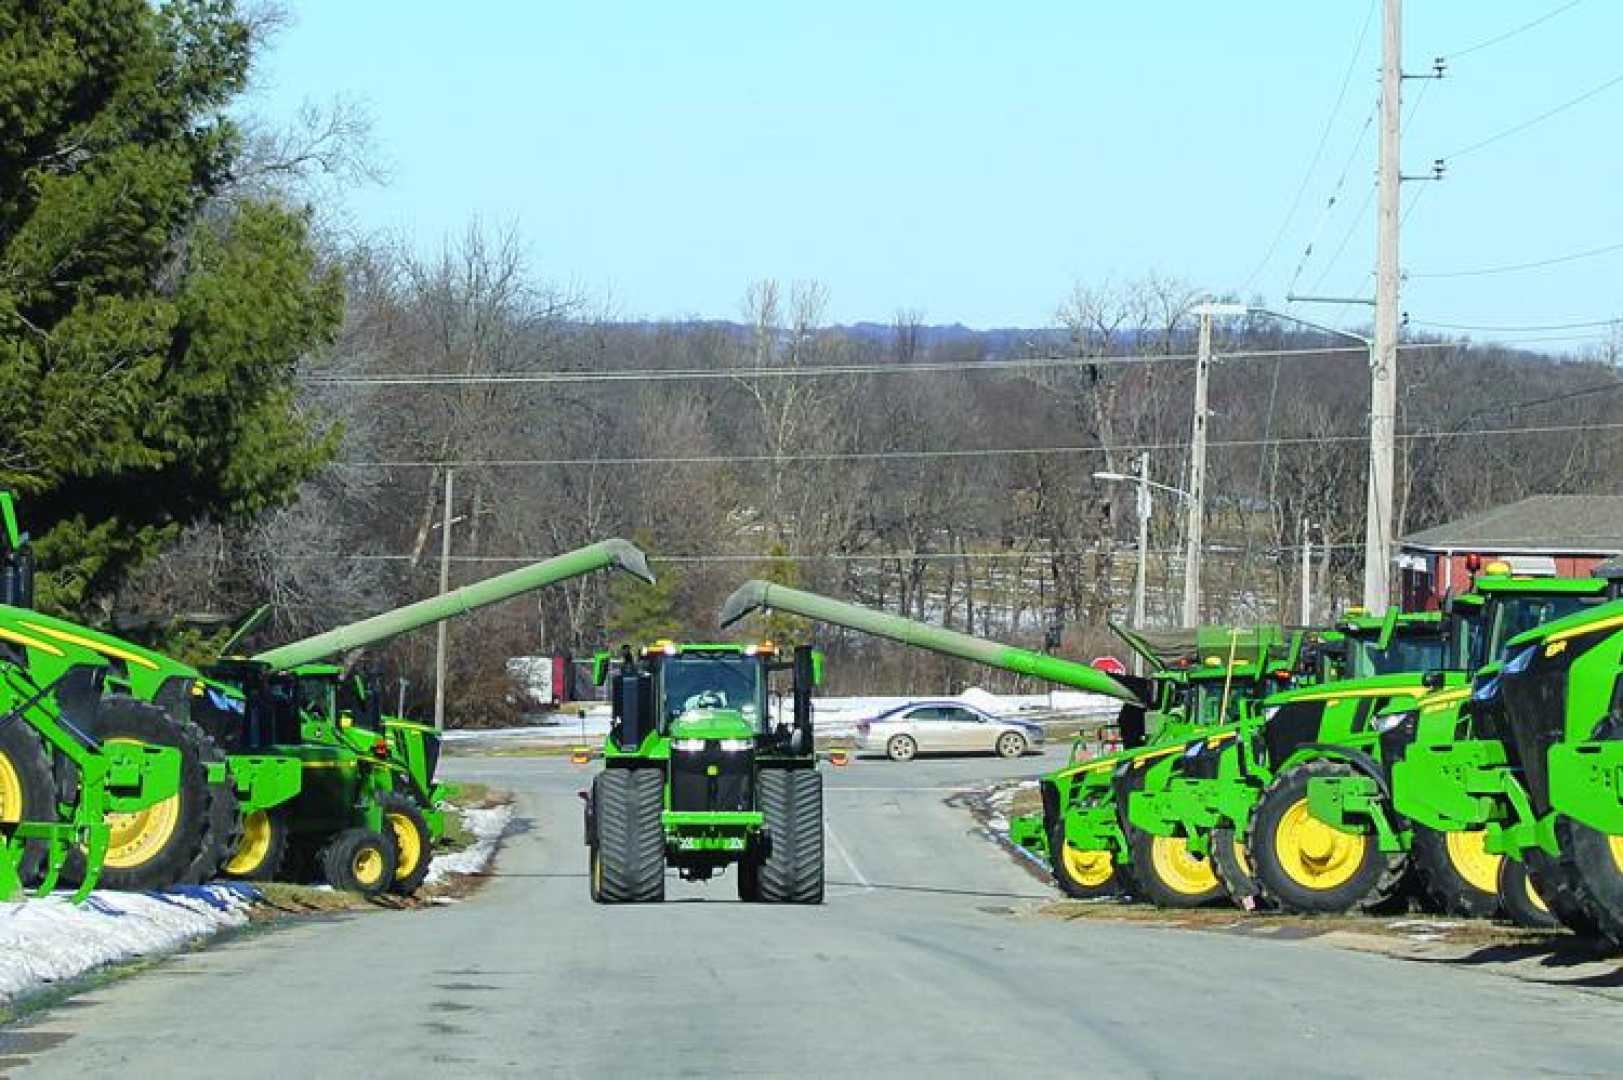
<point>93,645</point>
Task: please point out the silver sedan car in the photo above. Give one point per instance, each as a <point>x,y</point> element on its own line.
<point>920,727</point>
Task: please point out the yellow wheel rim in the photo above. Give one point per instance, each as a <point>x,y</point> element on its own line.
<point>254,847</point>
<point>1532,894</point>
<point>367,866</point>
<point>408,843</point>
<point>1178,870</point>
<point>1313,854</point>
<point>1616,844</point>
<point>11,792</point>
<point>597,872</point>
<point>135,839</point>
<point>1472,861</point>
<point>1089,869</point>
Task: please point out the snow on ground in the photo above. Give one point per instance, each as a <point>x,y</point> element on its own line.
<point>488,826</point>
<point>830,715</point>
<point>48,940</point>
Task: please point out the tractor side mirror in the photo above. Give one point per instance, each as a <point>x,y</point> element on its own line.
<point>806,671</point>
<point>17,578</point>
<point>634,720</point>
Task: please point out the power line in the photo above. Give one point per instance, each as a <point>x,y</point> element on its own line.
<point>1510,268</point>
<point>1508,34</point>
<point>1539,119</point>
<point>916,455</point>
<point>1318,153</point>
<point>817,371</point>
<point>1511,329</point>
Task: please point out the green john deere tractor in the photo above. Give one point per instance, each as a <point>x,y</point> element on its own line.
<point>1451,779</point>
<point>1562,692</point>
<point>700,774</point>
<point>1080,870</point>
<point>1209,788</point>
<point>96,786</point>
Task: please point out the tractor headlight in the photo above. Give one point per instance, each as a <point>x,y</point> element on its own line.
<point>1383,724</point>
<point>688,746</point>
<point>737,746</point>
<point>1269,712</point>
<point>1486,690</point>
<point>1193,749</point>
<point>1521,660</point>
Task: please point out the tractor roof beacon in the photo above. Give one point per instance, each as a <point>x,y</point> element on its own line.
<point>700,774</point>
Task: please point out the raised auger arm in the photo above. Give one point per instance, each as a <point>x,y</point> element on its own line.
<point>754,595</point>
<point>603,555</point>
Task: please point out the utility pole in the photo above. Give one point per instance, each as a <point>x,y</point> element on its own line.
<point>444,624</point>
<point>1143,541</point>
<point>1383,395</point>
<point>1307,572</point>
<point>1197,472</point>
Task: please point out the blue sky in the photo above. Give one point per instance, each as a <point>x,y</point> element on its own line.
<point>972,160</point>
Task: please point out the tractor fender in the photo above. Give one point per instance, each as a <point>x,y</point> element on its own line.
<point>1358,759</point>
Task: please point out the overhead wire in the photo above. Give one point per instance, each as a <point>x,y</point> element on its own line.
<point>1508,34</point>
<point>1511,268</point>
<point>1318,152</point>
<point>1517,129</point>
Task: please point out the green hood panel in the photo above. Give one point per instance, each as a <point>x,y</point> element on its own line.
<point>712,724</point>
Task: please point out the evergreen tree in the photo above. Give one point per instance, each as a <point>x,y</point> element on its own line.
<point>150,321</point>
<point>640,613</point>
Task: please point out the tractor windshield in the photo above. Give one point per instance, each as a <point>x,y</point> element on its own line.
<point>1513,615</point>
<point>1416,652</point>
<point>713,681</point>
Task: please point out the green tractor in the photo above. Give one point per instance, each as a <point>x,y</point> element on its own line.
<point>1121,807</point>
<point>1478,763</point>
<point>700,773</point>
<point>1209,789</point>
<point>1562,692</point>
<point>1084,870</point>
<point>91,778</point>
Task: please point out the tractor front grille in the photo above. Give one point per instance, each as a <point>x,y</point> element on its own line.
<point>1529,714</point>
<point>712,779</point>
<point>1290,727</point>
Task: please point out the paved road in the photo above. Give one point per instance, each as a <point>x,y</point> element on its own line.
<point>914,967</point>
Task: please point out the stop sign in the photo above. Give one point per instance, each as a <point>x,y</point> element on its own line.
<point>1109,665</point>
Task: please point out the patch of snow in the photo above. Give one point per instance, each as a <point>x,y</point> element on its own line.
<point>487,826</point>
<point>48,940</point>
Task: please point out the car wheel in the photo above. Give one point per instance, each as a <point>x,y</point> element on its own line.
<point>1011,744</point>
<point>901,748</point>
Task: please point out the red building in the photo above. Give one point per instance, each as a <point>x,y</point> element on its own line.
<point>1545,535</point>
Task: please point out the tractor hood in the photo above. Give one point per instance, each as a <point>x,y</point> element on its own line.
<point>712,724</point>
<point>1397,684</point>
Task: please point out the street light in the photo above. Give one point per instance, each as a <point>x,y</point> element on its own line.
<point>1144,484</point>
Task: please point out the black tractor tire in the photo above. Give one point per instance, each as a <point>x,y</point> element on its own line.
<point>1082,876</point>
<point>27,790</point>
<point>791,803</point>
<point>630,847</point>
<point>1593,861</point>
<point>1011,744</point>
<point>749,879</point>
<point>182,843</point>
<point>358,860</point>
<point>902,748</point>
<point>1365,877</point>
<point>1233,866</point>
<point>262,848</point>
<point>413,844</point>
<point>1454,875</point>
<point>1557,882</point>
<point>1168,876</point>
<point>1520,901</point>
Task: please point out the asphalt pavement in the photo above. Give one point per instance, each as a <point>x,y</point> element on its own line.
<point>925,961</point>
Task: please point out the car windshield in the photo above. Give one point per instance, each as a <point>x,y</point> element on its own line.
<point>1417,652</point>
<point>713,681</point>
